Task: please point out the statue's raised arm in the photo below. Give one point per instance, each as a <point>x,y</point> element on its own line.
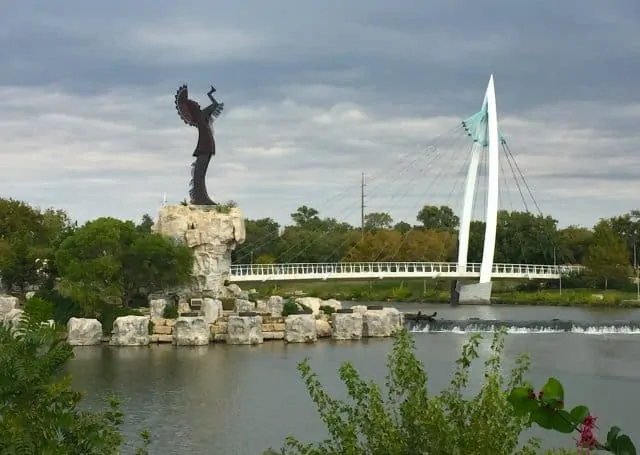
<point>192,114</point>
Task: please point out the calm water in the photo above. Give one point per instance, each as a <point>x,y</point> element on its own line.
<point>241,400</point>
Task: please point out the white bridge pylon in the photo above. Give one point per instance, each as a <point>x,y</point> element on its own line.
<point>483,129</point>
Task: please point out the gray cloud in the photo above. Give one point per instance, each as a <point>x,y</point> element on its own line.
<point>317,93</point>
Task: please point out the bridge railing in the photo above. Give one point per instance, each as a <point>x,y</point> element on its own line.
<point>400,268</point>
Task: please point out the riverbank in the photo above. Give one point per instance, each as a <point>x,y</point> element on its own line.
<point>418,291</point>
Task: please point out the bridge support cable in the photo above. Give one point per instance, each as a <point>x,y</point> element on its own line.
<point>409,187</point>
<point>408,178</point>
<point>376,179</point>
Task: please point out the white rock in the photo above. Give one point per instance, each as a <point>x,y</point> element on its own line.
<point>310,302</point>
<point>84,332</point>
<point>210,234</point>
<point>29,295</point>
<point>300,328</point>
<point>191,331</point>
<point>244,330</point>
<point>212,309</point>
<point>323,328</point>
<point>346,326</point>
<point>12,318</point>
<point>395,318</point>
<point>7,303</point>
<point>130,331</point>
<point>241,305</point>
<point>156,308</point>
<point>183,307</point>
<point>262,307</point>
<point>235,291</point>
<point>359,309</point>
<point>333,303</point>
<point>275,304</point>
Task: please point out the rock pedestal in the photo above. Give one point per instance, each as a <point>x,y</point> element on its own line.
<point>300,328</point>
<point>156,308</point>
<point>130,331</point>
<point>244,330</point>
<point>211,235</point>
<point>84,332</point>
<point>242,305</point>
<point>346,326</point>
<point>191,331</point>
<point>381,323</point>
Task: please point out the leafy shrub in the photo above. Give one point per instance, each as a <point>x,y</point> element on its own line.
<point>38,309</point>
<point>40,411</point>
<point>170,311</point>
<point>63,308</point>
<point>326,309</point>
<point>304,309</point>
<point>410,421</point>
<point>151,327</point>
<point>289,307</point>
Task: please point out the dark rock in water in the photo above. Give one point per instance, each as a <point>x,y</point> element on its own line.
<point>420,317</point>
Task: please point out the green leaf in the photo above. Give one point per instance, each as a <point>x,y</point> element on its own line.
<point>553,393</point>
<point>544,417</point>
<point>579,413</point>
<point>612,435</point>
<point>562,422</point>
<point>624,446</point>
<point>521,402</point>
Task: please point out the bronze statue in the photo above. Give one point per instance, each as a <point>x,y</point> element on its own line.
<point>193,115</point>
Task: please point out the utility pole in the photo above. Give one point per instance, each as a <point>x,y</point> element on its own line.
<point>362,185</point>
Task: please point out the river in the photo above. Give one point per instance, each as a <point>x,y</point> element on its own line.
<point>243,399</point>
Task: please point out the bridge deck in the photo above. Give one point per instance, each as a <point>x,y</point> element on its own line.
<point>399,270</point>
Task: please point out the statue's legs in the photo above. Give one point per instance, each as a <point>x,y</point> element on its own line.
<point>198,190</point>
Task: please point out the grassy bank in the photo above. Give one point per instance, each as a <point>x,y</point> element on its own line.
<point>506,293</point>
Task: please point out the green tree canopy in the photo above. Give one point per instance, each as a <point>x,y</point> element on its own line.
<point>109,261</point>
<point>377,220</point>
<point>438,218</point>
<point>607,256</point>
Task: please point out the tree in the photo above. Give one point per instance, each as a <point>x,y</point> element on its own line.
<point>40,411</point>
<point>108,261</point>
<point>607,256</point>
<point>27,239</point>
<point>575,242</point>
<point>146,224</point>
<point>403,227</point>
<point>305,217</point>
<point>525,238</point>
<point>263,236</point>
<point>377,220</point>
<point>438,218</point>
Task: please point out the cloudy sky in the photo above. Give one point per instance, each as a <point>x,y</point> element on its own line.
<point>315,94</point>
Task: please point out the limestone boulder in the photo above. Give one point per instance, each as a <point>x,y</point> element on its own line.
<point>84,332</point>
<point>29,295</point>
<point>262,307</point>
<point>242,305</point>
<point>375,323</point>
<point>275,304</point>
<point>212,309</point>
<point>7,303</point>
<point>234,291</point>
<point>333,303</point>
<point>191,331</point>
<point>314,303</point>
<point>244,330</point>
<point>130,331</point>
<point>12,318</point>
<point>156,308</point>
<point>346,326</point>
<point>395,318</point>
<point>211,234</point>
<point>359,309</point>
<point>300,328</point>
<point>323,328</point>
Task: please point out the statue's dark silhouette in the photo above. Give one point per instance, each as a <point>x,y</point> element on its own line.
<point>193,115</point>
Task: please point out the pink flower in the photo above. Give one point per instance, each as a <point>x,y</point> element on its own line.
<point>587,438</point>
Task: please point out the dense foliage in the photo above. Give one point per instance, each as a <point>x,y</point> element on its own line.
<point>407,419</point>
<point>39,410</point>
<point>522,238</point>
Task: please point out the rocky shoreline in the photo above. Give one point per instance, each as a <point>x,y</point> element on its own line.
<point>250,323</point>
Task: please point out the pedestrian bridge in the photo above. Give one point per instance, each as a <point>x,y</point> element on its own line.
<point>391,270</point>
